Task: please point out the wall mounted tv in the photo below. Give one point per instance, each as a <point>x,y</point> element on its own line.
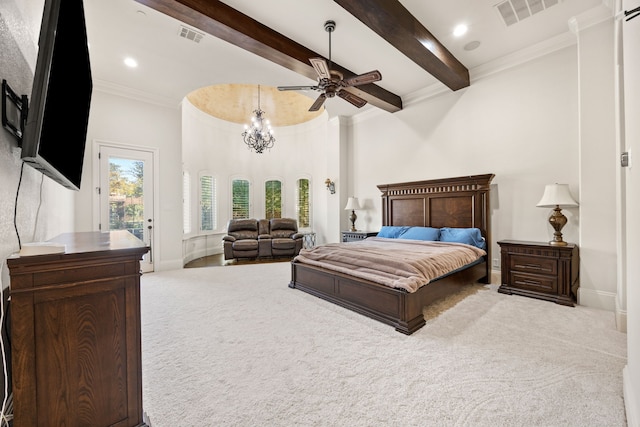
<point>56,126</point>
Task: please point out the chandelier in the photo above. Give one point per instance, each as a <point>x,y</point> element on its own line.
<point>258,136</point>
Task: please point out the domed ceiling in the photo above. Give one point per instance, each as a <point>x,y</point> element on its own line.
<point>236,102</point>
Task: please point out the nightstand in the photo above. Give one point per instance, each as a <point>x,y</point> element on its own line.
<point>540,270</point>
<point>353,236</point>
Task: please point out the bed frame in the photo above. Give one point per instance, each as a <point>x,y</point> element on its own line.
<point>451,202</point>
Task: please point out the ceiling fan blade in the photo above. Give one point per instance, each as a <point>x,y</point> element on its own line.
<point>321,67</point>
<point>354,99</point>
<point>298,88</point>
<point>370,77</point>
<point>318,102</point>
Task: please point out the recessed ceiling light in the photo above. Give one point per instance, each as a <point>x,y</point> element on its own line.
<point>460,30</point>
<point>130,62</point>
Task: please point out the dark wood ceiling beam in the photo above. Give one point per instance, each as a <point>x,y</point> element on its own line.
<point>394,23</point>
<point>218,19</point>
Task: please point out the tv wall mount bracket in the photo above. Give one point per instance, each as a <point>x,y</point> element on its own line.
<point>14,111</point>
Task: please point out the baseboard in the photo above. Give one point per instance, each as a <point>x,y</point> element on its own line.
<point>621,320</point>
<point>175,264</point>
<point>496,276</point>
<point>597,299</point>
<point>631,400</point>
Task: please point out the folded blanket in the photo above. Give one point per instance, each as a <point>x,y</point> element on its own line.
<point>398,263</point>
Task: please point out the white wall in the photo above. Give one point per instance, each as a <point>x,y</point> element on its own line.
<point>520,125</point>
<point>631,179</point>
<point>126,121</point>
<point>598,163</point>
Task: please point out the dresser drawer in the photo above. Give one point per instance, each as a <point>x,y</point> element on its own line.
<point>532,264</point>
<point>533,282</point>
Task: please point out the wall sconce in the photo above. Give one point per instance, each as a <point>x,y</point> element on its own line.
<point>331,186</point>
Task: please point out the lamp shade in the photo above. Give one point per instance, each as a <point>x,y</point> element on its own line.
<point>557,195</point>
<point>352,204</point>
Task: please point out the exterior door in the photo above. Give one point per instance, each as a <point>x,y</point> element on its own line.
<point>126,195</point>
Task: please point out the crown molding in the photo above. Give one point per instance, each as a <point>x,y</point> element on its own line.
<point>135,94</point>
<point>592,17</point>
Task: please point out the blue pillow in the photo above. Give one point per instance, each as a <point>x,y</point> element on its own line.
<point>421,233</point>
<point>391,231</point>
<point>470,236</point>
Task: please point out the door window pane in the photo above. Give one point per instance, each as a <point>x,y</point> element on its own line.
<point>126,204</point>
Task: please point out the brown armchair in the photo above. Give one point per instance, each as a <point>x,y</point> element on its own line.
<point>241,240</point>
<point>285,239</point>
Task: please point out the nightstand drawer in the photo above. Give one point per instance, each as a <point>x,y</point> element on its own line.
<point>532,264</point>
<point>533,282</point>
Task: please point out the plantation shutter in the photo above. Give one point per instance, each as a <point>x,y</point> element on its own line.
<point>273,199</point>
<point>240,198</point>
<point>186,202</point>
<point>207,203</point>
<point>302,202</point>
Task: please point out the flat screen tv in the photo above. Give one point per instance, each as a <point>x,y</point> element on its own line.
<point>56,126</point>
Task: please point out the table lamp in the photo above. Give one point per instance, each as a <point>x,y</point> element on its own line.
<point>557,196</point>
<point>352,205</point>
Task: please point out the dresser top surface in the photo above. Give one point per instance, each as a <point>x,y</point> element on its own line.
<point>540,244</point>
<point>86,244</point>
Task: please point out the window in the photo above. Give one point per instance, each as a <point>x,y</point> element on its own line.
<point>239,199</point>
<point>273,199</point>
<point>186,202</point>
<point>302,203</point>
<point>207,203</point>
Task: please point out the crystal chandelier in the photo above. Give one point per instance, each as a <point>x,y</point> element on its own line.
<point>259,135</point>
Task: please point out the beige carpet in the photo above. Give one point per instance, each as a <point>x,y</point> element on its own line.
<point>234,346</point>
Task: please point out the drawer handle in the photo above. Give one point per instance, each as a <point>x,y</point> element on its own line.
<point>532,267</point>
<point>526,282</point>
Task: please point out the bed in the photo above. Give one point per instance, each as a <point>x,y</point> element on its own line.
<point>460,202</point>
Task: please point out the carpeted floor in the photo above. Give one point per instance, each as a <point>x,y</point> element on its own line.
<point>234,346</point>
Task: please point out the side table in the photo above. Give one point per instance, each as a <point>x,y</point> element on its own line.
<point>353,236</point>
<point>540,270</point>
<point>308,240</point>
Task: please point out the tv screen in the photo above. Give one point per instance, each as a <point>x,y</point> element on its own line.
<point>56,126</point>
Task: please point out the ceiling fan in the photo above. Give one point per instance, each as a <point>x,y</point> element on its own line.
<point>331,82</point>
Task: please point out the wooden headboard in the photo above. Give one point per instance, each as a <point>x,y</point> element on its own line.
<point>450,202</point>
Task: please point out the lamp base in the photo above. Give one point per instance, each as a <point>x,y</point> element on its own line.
<point>557,221</point>
<point>353,218</point>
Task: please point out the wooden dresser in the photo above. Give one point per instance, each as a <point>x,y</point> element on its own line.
<point>75,333</point>
<point>540,270</point>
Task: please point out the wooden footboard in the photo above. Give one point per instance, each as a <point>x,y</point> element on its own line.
<point>395,307</point>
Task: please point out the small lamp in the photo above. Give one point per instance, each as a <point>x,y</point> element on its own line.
<point>331,186</point>
<point>352,205</point>
<point>557,196</point>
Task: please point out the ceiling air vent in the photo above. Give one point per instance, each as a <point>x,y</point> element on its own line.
<point>190,34</point>
<point>514,11</point>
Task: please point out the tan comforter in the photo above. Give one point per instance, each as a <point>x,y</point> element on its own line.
<point>398,263</point>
